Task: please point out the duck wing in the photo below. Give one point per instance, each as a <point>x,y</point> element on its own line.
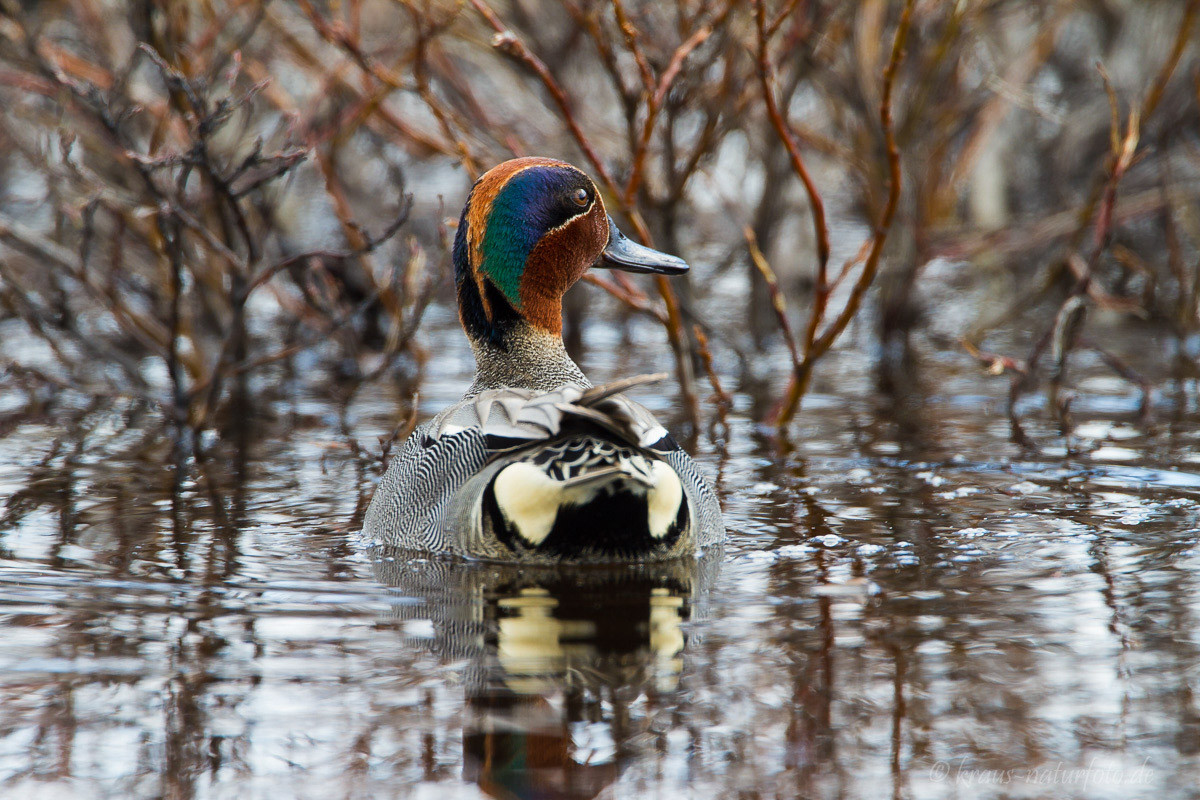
<point>513,417</point>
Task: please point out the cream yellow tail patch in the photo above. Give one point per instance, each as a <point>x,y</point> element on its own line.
<point>663,499</point>
<point>529,499</point>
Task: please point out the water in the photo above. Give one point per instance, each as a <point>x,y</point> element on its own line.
<point>908,606</point>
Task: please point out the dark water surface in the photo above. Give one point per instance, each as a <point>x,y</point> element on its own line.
<point>909,606</point>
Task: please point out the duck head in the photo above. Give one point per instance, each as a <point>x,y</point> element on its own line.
<point>530,229</point>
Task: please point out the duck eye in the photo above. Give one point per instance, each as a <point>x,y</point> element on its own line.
<point>580,196</point>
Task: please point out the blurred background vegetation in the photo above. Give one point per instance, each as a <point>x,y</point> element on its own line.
<point>202,200</point>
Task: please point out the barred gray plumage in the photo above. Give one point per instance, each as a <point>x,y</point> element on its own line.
<point>431,497</point>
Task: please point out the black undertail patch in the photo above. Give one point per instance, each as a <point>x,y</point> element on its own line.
<point>666,444</point>
<point>613,525</point>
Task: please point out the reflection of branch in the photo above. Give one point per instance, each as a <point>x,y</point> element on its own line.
<point>1124,370</point>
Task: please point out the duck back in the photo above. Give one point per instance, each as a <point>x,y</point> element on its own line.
<point>574,474</point>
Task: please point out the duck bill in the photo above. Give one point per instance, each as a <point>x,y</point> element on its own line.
<point>625,254</point>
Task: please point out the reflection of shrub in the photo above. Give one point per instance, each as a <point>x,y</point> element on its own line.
<point>186,182</point>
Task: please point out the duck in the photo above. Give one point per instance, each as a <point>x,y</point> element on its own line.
<point>535,464</point>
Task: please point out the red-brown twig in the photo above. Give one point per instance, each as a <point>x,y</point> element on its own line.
<point>994,363</point>
<point>783,131</point>
<point>778,302</point>
<point>1063,333</point>
<point>1182,37</point>
<point>724,399</point>
<point>802,374</point>
<point>399,433</point>
<point>654,105</point>
<point>627,295</point>
<point>509,43</point>
<point>631,41</point>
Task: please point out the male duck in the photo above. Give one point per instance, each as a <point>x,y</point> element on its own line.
<point>535,464</point>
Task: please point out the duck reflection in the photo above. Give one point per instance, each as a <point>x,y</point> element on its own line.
<point>554,658</point>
